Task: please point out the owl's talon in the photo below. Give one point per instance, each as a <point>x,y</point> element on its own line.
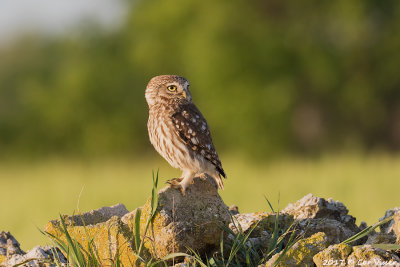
<point>176,184</point>
<point>183,192</point>
<point>203,176</point>
<point>174,181</point>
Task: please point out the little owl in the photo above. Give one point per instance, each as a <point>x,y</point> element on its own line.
<point>179,132</point>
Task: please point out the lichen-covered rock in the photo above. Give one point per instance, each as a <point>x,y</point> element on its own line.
<point>335,255</point>
<point>9,246</point>
<point>301,253</point>
<point>316,214</point>
<point>129,219</point>
<point>370,256</point>
<point>393,226</point>
<point>110,236</point>
<point>191,221</point>
<point>38,256</point>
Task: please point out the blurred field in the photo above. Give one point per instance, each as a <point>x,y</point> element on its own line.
<point>33,193</point>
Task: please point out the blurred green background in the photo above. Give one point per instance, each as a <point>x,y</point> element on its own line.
<point>301,96</point>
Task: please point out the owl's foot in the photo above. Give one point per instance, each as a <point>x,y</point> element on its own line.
<point>203,176</point>
<point>176,183</point>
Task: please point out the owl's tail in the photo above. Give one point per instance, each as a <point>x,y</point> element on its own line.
<point>219,181</point>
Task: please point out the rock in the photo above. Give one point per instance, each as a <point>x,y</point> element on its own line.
<point>336,231</point>
<point>363,225</point>
<point>11,254</point>
<point>265,222</point>
<point>335,255</point>
<point>316,214</point>
<point>370,256</point>
<point>38,256</point>
<point>9,246</point>
<point>312,207</point>
<point>261,240</point>
<point>393,226</point>
<point>110,236</point>
<point>191,221</point>
<point>380,238</point>
<point>97,216</point>
<point>129,219</point>
<point>302,252</point>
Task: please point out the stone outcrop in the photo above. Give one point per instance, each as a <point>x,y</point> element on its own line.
<point>392,227</point>
<point>38,256</point>
<point>104,226</point>
<point>315,214</point>
<point>345,255</point>
<point>370,256</point>
<point>9,247</point>
<point>260,221</point>
<point>197,221</point>
<point>261,226</point>
<point>11,254</point>
<point>180,222</point>
<point>191,221</point>
<point>389,232</point>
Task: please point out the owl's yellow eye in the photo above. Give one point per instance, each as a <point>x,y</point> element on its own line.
<point>171,88</point>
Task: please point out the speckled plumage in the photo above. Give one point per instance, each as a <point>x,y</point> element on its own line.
<point>179,132</point>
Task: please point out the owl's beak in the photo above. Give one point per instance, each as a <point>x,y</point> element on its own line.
<point>184,94</point>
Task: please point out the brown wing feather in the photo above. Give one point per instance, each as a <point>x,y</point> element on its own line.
<point>194,131</point>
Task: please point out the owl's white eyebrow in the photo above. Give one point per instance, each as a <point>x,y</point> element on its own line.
<point>176,84</point>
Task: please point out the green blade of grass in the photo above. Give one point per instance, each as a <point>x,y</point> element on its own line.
<point>197,257</point>
<point>387,246</point>
<point>274,238</point>
<point>290,243</point>
<point>137,228</point>
<point>154,205</point>
<point>366,231</point>
<point>76,252</point>
<point>269,203</point>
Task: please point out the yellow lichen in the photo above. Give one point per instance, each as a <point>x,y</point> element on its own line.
<point>109,239</point>
<point>335,254</point>
<point>303,251</point>
<point>2,259</point>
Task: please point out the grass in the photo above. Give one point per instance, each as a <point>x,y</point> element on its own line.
<point>34,192</point>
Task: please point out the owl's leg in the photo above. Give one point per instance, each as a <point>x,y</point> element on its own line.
<point>187,180</point>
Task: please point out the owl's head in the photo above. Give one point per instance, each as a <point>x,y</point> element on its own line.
<point>167,89</point>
